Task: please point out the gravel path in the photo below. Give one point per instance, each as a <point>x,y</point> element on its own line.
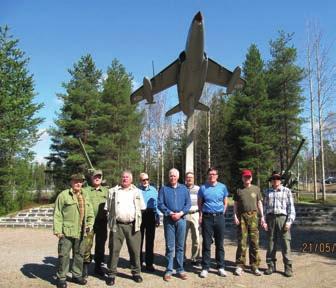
<point>28,258</point>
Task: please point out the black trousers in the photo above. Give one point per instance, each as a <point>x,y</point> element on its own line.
<point>100,229</point>
<point>147,228</point>
<point>213,226</point>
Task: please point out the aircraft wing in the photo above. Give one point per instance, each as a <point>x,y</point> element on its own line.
<point>161,81</point>
<point>219,75</point>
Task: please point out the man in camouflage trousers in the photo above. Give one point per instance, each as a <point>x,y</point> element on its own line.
<point>97,195</point>
<point>247,204</point>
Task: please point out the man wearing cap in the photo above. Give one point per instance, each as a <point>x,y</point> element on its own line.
<point>97,195</point>
<point>150,220</point>
<point>124,205</point>
<point>192,218</point>
<point>212,204</point>
<point>280,215</point>
<point>73,218</point>
<point>247,205</point>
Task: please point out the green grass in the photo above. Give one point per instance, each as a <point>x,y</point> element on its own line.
<point>309,199</point>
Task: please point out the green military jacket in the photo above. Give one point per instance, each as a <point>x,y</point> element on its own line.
<point>67,217</point>
<point>98,199</point>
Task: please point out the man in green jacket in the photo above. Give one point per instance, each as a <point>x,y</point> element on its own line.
<point>73,218</point>
<point>98,195</point>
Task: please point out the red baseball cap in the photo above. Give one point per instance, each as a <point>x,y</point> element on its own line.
<point>246,173</point>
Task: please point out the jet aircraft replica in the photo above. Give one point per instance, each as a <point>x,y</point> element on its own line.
<point>190,72</point>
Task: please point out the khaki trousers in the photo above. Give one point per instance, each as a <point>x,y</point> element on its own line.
<point>133,242</point>
<point>192,226</point>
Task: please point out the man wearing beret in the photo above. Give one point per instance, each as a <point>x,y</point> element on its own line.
<point>247,205</point>
<point>97,195</point>
<point>73,218</point>
<point>280,215</point>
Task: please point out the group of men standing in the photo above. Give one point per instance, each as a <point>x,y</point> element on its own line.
<point>132,213</point>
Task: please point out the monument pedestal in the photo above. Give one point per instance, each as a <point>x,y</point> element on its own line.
<point>190,144</point>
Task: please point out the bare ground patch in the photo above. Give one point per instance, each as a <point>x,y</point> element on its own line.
<point>28,258</point>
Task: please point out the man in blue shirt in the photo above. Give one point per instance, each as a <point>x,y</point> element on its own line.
<point>150,220</point>
<point>174,202</point>
<point>212,203</point>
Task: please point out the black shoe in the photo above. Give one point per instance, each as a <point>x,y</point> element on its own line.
<point>288,270</point>
<point>150,268</point>
<point>110,281</point>
<point>61,284</point>
<point>195,263</point>
<point>79,280</point>
<point>85,270</point>
<point>137,278</point>
<point>270,269</point>
<point>99,271</point>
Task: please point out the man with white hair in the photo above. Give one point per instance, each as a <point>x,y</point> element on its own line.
<point>124,205</point>
<point>174,203</point>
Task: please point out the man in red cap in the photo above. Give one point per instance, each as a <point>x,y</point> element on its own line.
<point>247,205</point>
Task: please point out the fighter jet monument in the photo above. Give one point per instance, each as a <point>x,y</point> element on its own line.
<point>190,71</point>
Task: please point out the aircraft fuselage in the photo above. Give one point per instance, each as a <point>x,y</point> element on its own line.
<point>193,69</point>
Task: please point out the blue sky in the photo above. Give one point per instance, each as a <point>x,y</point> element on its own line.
<point>55,34</point>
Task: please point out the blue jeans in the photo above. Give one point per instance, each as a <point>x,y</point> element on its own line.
<point>213,227</point>
<point>174,232</point>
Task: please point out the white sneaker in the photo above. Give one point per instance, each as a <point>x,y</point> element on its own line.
<point>204,274</point>
<point>222,272</point>
<point>257,272</point>
<point>238,271</point>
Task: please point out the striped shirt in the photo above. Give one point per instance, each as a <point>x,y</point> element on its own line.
<point>81,206</point>
<point>279,202</point>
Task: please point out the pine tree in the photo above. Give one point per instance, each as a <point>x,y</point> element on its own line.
<point>251,120</point>
<point>284,91</point>
<point>18,121</point>
<point>119,126</point>
<point>81,103</point>
<point>223,146</point>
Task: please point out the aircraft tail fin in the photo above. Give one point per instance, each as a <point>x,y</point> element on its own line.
<point>201,106</point>
<point>174,110</point>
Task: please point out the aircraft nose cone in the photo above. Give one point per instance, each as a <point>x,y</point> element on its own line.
<point>198,17</point>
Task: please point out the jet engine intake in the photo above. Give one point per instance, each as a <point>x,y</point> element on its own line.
<point>234,78</point>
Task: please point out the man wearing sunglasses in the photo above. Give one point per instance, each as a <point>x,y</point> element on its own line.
<point>150,220</point>
<point>97,195</point>
<point>280,215</point>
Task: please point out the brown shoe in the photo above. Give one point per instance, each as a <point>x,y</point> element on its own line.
<point>167,277</point>
<point>183,276</point>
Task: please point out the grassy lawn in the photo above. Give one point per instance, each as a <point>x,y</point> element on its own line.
<point>309,199</point>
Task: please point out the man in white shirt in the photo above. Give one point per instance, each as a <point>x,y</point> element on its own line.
<point>124,205</point>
